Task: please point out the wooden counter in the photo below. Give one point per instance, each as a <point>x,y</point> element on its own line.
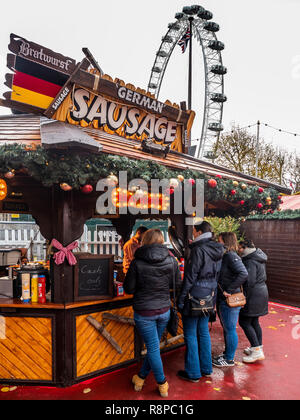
<point>54,344</point>
<point>17,303</point>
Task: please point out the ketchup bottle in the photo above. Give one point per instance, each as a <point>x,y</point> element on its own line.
<point>42,289</point>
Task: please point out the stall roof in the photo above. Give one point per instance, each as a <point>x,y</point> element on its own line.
<point>26,129</point>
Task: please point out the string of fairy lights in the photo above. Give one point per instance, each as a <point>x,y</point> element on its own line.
<point>262,124</point>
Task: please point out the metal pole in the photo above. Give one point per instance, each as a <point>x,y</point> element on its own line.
<point>257,148</point>
<point>190,64</point>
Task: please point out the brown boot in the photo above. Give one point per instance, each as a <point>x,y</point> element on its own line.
<point>163,390</point>
<point>138,383</point>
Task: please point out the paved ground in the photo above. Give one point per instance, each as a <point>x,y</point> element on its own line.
<point>277,378</point>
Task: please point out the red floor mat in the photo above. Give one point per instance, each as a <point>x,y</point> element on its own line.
<point>277,378</point>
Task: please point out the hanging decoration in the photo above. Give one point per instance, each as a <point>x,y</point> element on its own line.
<point>87,189</point>
<point>65,187</point>
<point>3,189</point>
<point>9,174</point>
<point>212,183</point>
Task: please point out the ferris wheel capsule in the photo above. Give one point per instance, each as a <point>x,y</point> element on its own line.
<point>216,127</point>
<point>156,70</point>
<point>216,45</point>
<point>188,10</point>
<point>167,39</point>
<point>212,27</point>
<point>219,69</point>
<point>218,97</point>
<point>179,16</point>
<point>162,54</point>
<point>175,26</point>
<point>205,15</point>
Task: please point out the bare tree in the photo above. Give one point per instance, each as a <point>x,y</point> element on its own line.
<point>237,151</point>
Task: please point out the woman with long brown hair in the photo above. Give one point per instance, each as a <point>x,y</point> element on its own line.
<point>232,276</point>
<point>149,279</point>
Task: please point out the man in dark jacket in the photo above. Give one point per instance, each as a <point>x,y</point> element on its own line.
<point>257,295</point>
<point>200,281</point>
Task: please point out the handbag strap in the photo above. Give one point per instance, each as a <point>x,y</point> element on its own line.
<point>173,275</point>
<point>242,289</point>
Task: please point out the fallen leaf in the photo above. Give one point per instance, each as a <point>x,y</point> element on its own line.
<point>273,312</point>
<point>239,364</point>
<point>246,399</point>
<point>86,390</point>
<point>208,382</point>
<point>282,325</point>
<point>272,328</point>
<point>5,389</point>
<point>13,388</point>
<point>217,389</point>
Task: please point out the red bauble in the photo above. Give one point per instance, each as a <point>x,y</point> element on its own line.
<point>219,176</point>
<point>170,191</point>
<point>212,183</point>
<point>279,197</point>
<point>192,181</point>
<point>260,190</point>
<point>233,192</point>
<point>242,202</point>
<point>259,206</point>
<point>87,189</point>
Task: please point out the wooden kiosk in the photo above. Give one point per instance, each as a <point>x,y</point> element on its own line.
<point>72,114</point>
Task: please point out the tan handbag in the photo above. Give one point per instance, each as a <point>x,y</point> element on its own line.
<point>236,300</point>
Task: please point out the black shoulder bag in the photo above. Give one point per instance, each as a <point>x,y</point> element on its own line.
<point>173,323</point>
<point>201,307</point>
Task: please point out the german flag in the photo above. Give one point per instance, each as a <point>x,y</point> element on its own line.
<point>35,84</point>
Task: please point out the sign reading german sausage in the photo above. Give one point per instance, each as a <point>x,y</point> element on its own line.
<point>97,111</point>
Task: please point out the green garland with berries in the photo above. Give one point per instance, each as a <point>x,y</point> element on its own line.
<point>277,215</point>
<point>51,167</point>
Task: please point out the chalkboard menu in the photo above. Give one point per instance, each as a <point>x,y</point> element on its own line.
<point>93,277</point>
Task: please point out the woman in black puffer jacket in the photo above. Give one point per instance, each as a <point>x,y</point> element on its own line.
<point>149,279</point>
<point>257,295</point>
<point>232,276</point>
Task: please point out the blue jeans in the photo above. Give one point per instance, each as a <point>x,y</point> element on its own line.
<point>229,318</point>
<point>151,329</point>
<point>198,360</point>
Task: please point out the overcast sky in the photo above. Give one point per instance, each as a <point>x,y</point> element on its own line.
<point>262,54</point>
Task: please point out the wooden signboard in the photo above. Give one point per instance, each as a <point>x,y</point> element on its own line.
<point>39,73</point>
<point>93,277</point>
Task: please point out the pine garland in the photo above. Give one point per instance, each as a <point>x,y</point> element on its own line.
<point>51,167</point>
<point>277,215</point>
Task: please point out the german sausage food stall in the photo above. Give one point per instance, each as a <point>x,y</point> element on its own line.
<point>76,128</point>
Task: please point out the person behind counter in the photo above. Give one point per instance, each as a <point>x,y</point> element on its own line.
<point>149,279</point>
<point>131,246</point>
